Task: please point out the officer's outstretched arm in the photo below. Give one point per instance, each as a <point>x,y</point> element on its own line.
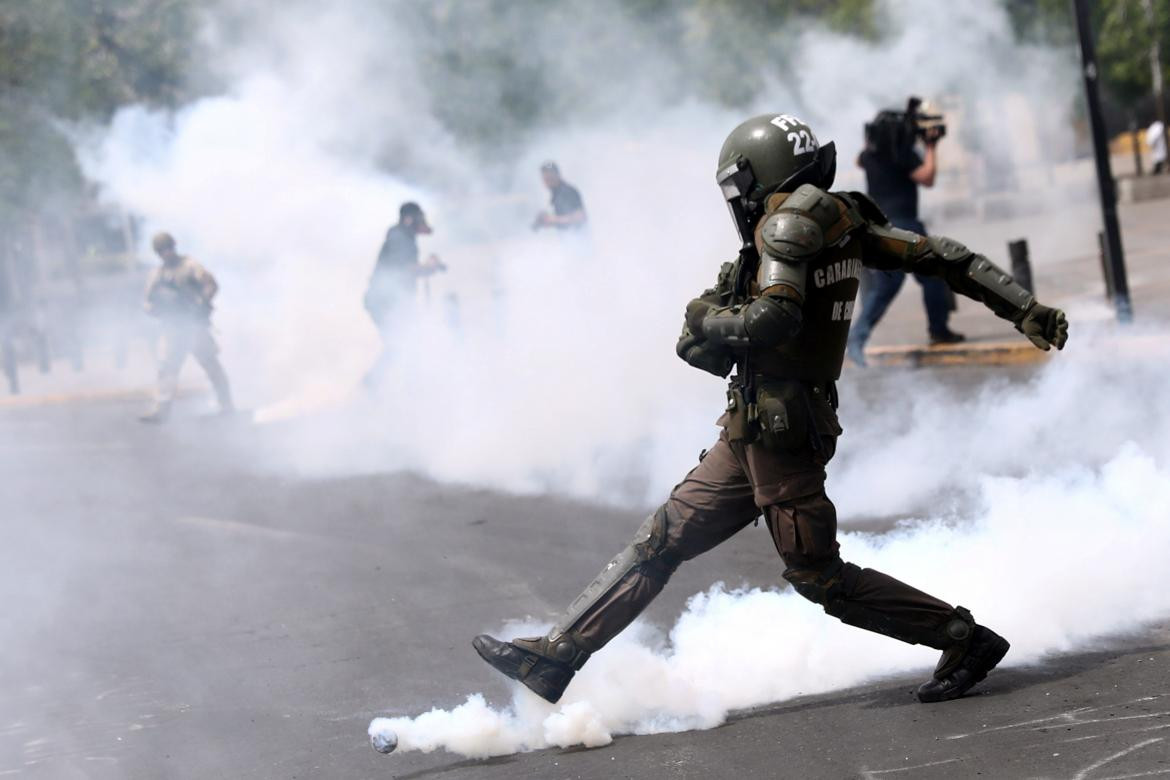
<point>967,273</point>
<point>788,239</point>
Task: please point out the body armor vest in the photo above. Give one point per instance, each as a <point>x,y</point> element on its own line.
<point>817,352</point>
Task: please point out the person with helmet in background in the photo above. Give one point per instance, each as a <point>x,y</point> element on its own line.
<point>779,315</point>
<point>179,295</point>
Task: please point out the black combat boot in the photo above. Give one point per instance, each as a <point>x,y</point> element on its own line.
<point>545,666</point>
<point>946,337</point>
<point>964,664</point>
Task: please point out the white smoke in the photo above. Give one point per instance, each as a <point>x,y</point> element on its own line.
<point>561,364</point>
<point>559,375</point>
<point>1063,553</point>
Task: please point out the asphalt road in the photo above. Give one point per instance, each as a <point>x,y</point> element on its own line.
<point>172,611</point>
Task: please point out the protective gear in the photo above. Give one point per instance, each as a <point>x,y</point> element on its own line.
<point>793,232</point>
<point>994,286</point>
<point>891,249</point>
<point>704,355</point>
<point>963,665</point>
<point>834,584</point>
<point>780,426</point>
<point>533,662</point>
<point>792,236</point>
<point>765,322</point>
<point>782,272</point>
<point>547,664</point>
<point>693,346</point>
<point>644,557</point>
<point>770,153</point>
<point>771,321</point>
<point>1044,326</point>
<point>727,326</point>
<point>804,336</point>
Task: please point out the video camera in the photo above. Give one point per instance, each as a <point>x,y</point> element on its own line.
<point>892,130</point>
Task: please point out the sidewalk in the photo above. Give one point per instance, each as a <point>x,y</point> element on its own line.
<point>1066,268</point>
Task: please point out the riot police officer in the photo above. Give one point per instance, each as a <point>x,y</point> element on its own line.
<point>779,315</point>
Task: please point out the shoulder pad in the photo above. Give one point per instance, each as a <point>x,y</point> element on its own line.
<point>865,205</point>
<point>948,248</point>
<point>791,235</point>
<point>814,203</point>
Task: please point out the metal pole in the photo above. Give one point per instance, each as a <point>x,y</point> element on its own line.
<point>1136,142</point>
<point>1113,250</point>
<point>1021,265</point>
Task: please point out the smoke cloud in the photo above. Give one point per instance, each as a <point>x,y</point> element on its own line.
<point>540,363</point>
<point>552,355</point>
<point>1066,551</point>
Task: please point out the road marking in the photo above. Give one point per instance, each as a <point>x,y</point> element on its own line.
<point>868,773</point>
<point>91,396</point>
<point>265,532</point>
<point>236,526</point>
<point>1072,717</point>
<point>1084,773</point>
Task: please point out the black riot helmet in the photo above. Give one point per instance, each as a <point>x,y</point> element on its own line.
<point>770,153</point>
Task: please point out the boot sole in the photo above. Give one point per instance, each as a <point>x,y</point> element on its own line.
<point>996,650</point>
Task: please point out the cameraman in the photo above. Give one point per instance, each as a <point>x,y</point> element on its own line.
<point>894,171</point>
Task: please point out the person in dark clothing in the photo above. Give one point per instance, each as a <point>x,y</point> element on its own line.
<point>392,284</point>
<point>894,171</point>
<point>568,210</point>
<point>778,316</point>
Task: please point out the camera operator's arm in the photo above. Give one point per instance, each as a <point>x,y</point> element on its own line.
<point>889,248</point>
<point>924,174</point>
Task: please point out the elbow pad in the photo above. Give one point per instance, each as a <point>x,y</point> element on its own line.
<point>771,321</point>
<point>727,327</point>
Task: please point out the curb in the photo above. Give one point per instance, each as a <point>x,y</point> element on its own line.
<point>92,396</point>
<point>978,353</point>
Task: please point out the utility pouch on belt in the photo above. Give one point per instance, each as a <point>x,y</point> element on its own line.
<point>736,420</point>
<point>782,414</point>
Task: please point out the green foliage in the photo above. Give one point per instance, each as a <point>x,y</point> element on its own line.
<point>72,60</point>
<point>497,70</point>
<point>1125,37</point>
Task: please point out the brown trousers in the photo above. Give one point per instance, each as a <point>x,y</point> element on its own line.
<point>180,340</point>
<point>727,491</point>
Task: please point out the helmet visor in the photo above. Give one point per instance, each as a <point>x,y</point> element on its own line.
<point>736,180</point>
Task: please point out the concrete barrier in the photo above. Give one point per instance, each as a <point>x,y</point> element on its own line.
<point>1134,189</point>
<point>966,353</point>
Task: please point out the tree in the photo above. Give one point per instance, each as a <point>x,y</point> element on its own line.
<point>72,60</point>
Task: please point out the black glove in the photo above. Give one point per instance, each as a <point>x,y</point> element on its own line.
<point>702,354</point>
<point>1044,326</point>
<point>697,311</point>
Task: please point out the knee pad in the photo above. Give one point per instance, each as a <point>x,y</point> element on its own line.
<point>650,551</point>
<point>646,555</point>
<point>827,584</point>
